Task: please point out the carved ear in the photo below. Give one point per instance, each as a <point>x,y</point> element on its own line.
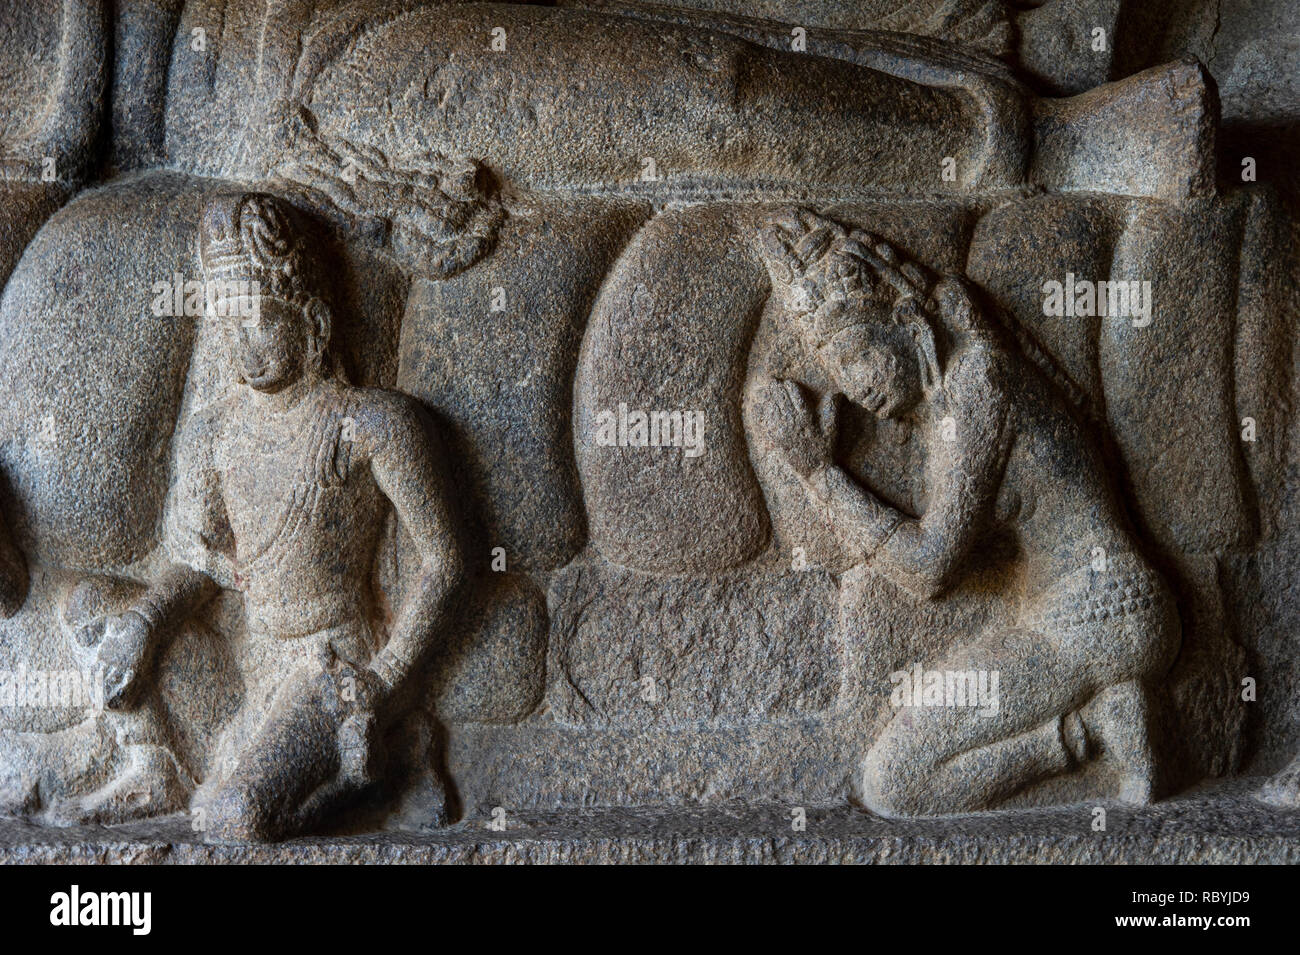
<point>318,314</point>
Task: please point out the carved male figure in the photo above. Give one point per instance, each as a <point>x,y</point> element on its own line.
<point>280,492</point>
<point>1008,453</point>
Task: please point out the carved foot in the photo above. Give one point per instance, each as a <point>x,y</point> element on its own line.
<point>231,817</point>
<point>1115,728</point>
<point>1283,790</point>
<point>151,785</point>
<point>18,793</point>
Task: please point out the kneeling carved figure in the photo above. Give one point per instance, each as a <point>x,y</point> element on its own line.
<point>1007,451</point>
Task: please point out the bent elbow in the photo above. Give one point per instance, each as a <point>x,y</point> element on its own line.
<point>920,564</point>
<point>446,567</point>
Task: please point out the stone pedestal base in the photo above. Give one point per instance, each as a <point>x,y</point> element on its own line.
<point>1222,825</point>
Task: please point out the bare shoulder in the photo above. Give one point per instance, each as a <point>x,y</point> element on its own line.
<point>980,370</point>
<point>388,420</point>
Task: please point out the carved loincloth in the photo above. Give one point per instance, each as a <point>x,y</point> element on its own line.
<point>1128,591</point>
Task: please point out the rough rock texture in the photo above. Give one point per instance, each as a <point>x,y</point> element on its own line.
<point>1217,829</point>
<point>624,423</point>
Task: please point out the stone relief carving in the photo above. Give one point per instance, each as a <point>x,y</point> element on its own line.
<point>416,409</point>
<point>1006,451</point>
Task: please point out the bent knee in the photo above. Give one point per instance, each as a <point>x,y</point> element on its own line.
<point>1146,647</point>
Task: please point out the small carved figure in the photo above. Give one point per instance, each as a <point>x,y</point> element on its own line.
<point>119,761</point>
<point>1006,452</point>
<point>280,492</point>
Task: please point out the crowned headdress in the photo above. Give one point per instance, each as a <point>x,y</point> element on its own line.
<point>249,238</point>
<point>832,279</point>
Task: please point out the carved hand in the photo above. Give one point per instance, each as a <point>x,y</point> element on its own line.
<point>124,653</point>
<point>788,422</point>
<point>345,689</point>
<point>363,696</point>
<point>358,742</point>
<point>954,301</point>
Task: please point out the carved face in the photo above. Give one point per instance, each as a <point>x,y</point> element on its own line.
<point>876,367</point>
<point>271,351</point>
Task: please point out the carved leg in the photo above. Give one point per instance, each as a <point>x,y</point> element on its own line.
<point>900,776</point>
<point>39,767</point>
<point>933,760</point>
<point>19,792</point>
<point>289,773</point>
<point>107,769</point>
<point>276,771</point>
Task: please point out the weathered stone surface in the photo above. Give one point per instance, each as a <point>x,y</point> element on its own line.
<point>493,668</point>
<point>494,350</point>
<point>629,422</point>
<point>1226,829</point>
<point>659,446</point>
<point>1019,246</point>
<point>87,461</point>
<point>635,651</point>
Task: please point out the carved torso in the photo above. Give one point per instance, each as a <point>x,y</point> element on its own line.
<point>303,508</point>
